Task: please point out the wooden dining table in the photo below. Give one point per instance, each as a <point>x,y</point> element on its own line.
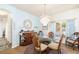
<point>45,39</point>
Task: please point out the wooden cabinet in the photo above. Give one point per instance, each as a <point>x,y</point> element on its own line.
<point>26,38</point>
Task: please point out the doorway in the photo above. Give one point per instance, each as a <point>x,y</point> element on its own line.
<point>5,30</point>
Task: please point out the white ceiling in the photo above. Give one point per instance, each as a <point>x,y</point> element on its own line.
<point>51,9</point>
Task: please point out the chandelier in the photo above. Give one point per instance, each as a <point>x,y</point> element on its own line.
<point>44,18</point>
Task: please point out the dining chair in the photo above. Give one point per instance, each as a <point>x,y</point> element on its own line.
<point>39,47</point>
<point>73,41</point>
<point>56,46</point>
<point>51,35</point>
<point>40,33</point>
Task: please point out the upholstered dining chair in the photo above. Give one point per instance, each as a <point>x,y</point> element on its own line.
<point>39,47</point>
<point>51,35</point>
<point>73,41</point>
<point>40,33</point>
<point>56,46</point>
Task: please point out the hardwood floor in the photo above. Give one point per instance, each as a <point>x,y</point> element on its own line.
<point>17,50</point>
<point>29,50</point>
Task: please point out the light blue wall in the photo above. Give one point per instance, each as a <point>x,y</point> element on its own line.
<point>18,18</point>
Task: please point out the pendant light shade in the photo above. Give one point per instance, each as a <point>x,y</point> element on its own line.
<point>44,19</point>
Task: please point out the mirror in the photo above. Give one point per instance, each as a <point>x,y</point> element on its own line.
<point>27,24</point>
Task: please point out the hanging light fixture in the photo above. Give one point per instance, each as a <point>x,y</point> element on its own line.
<point>44,19</point>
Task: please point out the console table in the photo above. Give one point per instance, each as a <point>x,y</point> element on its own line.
<point>26,38</point>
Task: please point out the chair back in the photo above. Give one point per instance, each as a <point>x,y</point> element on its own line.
<point>50,34</point>
<point>76,33</point>
<point>36,41</point>
<point>40,33</point>
<point>61,38</point>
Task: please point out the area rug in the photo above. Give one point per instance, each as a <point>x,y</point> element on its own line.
<point>30,50</point>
